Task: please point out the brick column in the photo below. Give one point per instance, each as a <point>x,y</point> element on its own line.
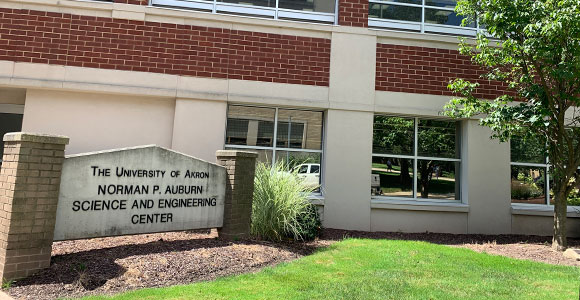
<point>353,13</point>
<point>240,167</point>
<point>29,186</point>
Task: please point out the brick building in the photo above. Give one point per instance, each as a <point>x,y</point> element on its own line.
<point>350,89</point>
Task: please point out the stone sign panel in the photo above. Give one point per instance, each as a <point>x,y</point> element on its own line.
<point>138,190</point>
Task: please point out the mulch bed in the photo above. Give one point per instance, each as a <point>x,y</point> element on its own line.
<point>117,264</point>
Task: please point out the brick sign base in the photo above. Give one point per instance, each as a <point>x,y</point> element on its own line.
<point>30,178</point>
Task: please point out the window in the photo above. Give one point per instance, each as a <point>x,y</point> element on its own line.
<point>415,158</point>
<point>436,16</point>
<point>322,11</point>
<point>8,123</point>
<point>529,170</point>
<point>292,136</point>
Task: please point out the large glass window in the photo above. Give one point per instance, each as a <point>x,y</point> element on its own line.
<point>418,15</point>
<point>322,11</point>
<point>530,173</point>
<point>8,123</point>
<point>415,158</point>
<point>292,136</point>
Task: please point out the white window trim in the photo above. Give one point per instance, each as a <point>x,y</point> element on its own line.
<point>275,13</point>
<point>421,26</point>
<point>416,157</point>
<point>546,167</point>
<point>542,210</point>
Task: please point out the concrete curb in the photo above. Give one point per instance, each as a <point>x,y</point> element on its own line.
<point>4,296</point>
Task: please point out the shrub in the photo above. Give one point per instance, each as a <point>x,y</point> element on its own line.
<point>522,191</point>
<point>310,223</point>
<point>281,208</point>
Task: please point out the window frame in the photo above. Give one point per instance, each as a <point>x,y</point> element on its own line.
<point>416,157</point>
<point>276,13</point>
<point>274,147</point>
<point>546,166</point>
<point>422,26</point>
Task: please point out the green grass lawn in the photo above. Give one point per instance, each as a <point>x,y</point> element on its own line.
<point>384,269</point>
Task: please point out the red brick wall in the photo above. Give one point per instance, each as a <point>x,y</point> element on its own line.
<point>353,13</point>
<point>427,71</point>
<point>95,42</point>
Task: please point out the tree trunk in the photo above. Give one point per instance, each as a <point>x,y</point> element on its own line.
<point>426,168</point>
<point>559,242</point>
<point>406,182</point>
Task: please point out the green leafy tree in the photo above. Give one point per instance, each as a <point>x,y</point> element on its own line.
<point>536,52</point>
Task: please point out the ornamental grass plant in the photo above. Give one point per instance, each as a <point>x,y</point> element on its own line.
<point>281,208</point>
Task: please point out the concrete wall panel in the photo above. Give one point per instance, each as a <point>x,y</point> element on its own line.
<point>418,221</point>
<point>199,127</point>
<point>352,69</point>
<point>487,182</point>
<point>347,170</point>
<point>100,121</point>
<point>542,225</point>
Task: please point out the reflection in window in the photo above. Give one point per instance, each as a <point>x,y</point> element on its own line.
<point>395,12</point>
<point>324,6</point>
<point>438,138</point>
<point>528,184</point>
<point>392,177</point>
<point>443,17</point>
<point>288,135</point>
<point>392,135</point>
<point>265,3</point>
<point>437,179</point>
<point>250,126</point>
<point>528,149</point>
<point>427,16</point>
<point>531,182</point>
<point>8,123</point>
<point>415,158</point>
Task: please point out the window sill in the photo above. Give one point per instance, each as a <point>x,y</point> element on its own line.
<point>542,210</point>
<point>316,199</point>
<point>419,205</point>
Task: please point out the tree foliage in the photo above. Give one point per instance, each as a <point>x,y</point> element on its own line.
<point>534,47</point>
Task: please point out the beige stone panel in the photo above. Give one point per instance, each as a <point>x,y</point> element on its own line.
<point>100,121</point>
<point>120,81</point>
<point>6,71</point>
<point>347,169</point>
<point>128,15</point>
<point>416,39</point>
<point>207,23</point>
<point>352,68</point>
<point>246,91</point>
<point>418,221</point>
<point>408,103</point>
<point>542,225</point>
<point>12,96</point>
<point>199,127</point>
<point>164,19</point>
<point>41,75</point>
<point>202,88</point>
<point>487,180</point>
<point>6,68</point>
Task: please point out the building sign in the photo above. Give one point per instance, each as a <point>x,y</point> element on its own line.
<point>137,190</point>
